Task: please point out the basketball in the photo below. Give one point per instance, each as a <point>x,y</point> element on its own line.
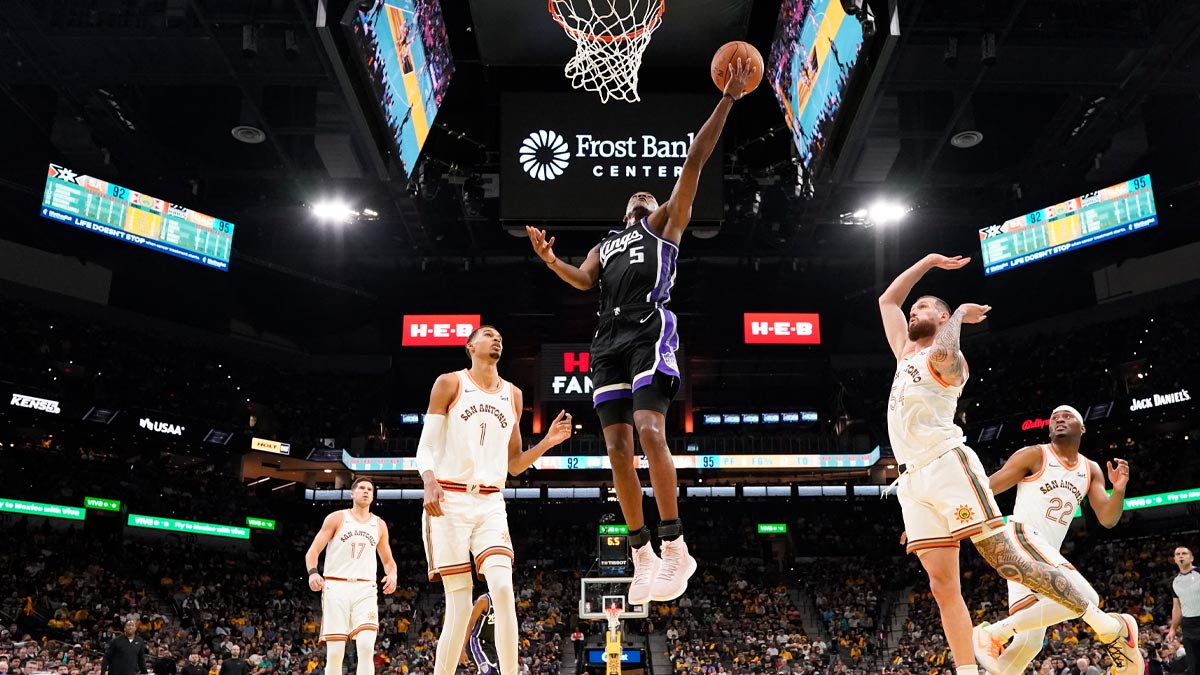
<point>728,54</point>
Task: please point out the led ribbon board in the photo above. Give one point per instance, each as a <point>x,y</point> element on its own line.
<point>597,462</point>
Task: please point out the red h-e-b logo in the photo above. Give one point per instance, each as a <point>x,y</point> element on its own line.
<point>438,330</point>
<point>778,328</point>
<point>576,362</point>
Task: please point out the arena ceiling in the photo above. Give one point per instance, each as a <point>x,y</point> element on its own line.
<point>1081,93</point>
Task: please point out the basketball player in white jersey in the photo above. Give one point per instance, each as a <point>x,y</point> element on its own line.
<point>943,489</point>
<point>470,443</point>
<point>349,606</point>
<point>1052,480</point>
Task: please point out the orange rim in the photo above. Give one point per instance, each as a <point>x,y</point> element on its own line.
<point>584,35</point>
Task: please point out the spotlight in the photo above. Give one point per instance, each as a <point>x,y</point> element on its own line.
<point>333,211</point>
<point>886,213</point>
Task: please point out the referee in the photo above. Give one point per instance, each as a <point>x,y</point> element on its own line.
<point>1185,610</point>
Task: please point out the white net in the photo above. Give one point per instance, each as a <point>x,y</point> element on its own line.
<point>610,37</point>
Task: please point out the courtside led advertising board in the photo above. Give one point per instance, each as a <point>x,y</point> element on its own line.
<point>127,215</point>
<point>1114,211</point>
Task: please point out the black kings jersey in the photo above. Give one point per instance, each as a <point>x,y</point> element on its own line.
<point>636,266</point>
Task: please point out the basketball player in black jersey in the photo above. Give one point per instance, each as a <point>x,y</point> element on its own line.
<point>634,372</point>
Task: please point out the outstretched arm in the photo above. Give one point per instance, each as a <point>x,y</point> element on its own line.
<point>946,360</point>
<point>1108,507</point>
<point>583,277</point>
<point>895,326</point>
<point>672,218</point>
<point>519,459</point>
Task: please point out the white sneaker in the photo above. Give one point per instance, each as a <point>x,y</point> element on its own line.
<point>987,649</point>
<point>1123,648</point>
<point>645,567</point>
<point>674,571</point>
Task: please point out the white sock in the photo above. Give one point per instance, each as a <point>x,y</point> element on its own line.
<point>454,626</point>
<point>969,669</point>
<point>1023,649</point>
<point>504,604</point>
<point>1039,615</point>
<point>334,653</point>
<point>364,643</point>
<point>1102,623</point>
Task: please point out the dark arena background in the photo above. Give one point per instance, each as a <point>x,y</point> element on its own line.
<point>242,238</point>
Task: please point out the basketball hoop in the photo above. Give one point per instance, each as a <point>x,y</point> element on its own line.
<point>614,617</point>
<point>610,37</point>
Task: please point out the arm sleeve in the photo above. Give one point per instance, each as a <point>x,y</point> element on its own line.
<point>432,437</point>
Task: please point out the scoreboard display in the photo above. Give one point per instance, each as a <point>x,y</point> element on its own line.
<point>118,212</point>
<point>613,548</point>
<point>1082,221</point>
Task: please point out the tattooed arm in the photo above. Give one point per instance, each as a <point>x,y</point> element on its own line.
<point>946,359</point>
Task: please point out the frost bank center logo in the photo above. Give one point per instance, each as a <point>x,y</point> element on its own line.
<point>545,155</point>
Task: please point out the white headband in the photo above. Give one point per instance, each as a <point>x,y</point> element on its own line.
<point>1069,409</point>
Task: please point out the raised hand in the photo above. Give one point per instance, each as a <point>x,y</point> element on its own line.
<point>541,246</point>
<point>1118,473</point>
<point>947,262</point>
<point>560,428</point>
<point>973,313</point>
<point>736,77</point>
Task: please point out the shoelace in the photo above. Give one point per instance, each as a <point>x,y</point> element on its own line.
<point>1115,653</point>
<point>667,567</point>
<point>643,571</point>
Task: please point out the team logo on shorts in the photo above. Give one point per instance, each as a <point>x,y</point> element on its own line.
<point>964,514</point>
<point>505,538</point>
<point>371,616</point>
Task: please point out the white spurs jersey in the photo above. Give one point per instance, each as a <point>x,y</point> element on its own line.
<point>479,424</point>
<point>921,409</point>
<point>1046,501</point>
<point>351,552</point>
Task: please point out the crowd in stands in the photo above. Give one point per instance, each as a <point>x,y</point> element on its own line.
<point>1131,574</point>
<point>735,619</point>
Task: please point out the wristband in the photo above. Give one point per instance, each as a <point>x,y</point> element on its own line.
<point>552,263</point>
<point>312,571</point>
<point>729,96</point>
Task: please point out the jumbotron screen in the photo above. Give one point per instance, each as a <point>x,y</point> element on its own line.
<point>135,217</point>
<point>1081,221</point>
<point>405,50</point>
<point>813,55</point>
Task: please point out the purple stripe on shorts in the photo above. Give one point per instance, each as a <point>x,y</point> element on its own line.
<point>611,395</point>
<point>667,345</point>
<point>481,659</point>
